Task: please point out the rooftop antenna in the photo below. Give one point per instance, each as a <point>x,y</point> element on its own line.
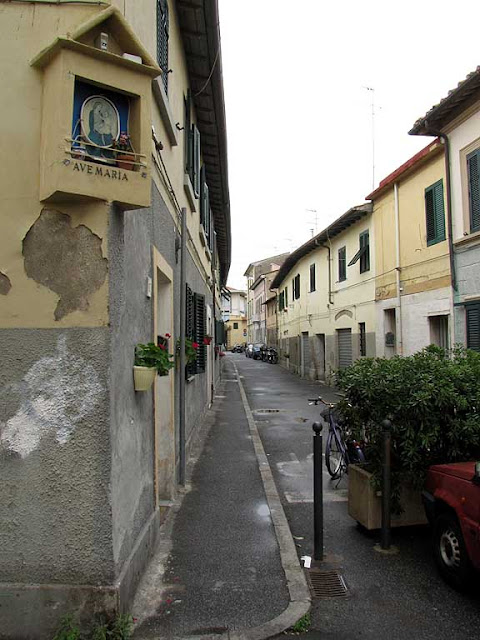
<point>315,220</point>
<point>373,134</point>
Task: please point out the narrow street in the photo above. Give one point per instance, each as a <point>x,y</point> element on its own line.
<point>400,596</point>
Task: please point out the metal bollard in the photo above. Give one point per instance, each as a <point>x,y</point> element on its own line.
<point>386,486</point>
<point>317,492</point>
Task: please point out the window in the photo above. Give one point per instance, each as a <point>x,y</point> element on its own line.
<point>312,277</point>
<point>235,325</point>
<point>196,160</point>
<point>286,297</point>
<point>473,174</point>
<point>281,301</point>
<point>362,339</point>
<point>187,132</point>
<point>296,287</point>
<point>162,40</point>
<point>342,264</point>
<point>195,329</point>
<point>473,326</point>
<point>439,331</point>
<point>435,213</point>
<point>363,254</point>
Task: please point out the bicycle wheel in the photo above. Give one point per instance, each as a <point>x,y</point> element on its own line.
<point>335,456</point>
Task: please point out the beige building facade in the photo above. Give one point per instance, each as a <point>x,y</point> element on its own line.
<point>412,283</point>
<point>326,298</point>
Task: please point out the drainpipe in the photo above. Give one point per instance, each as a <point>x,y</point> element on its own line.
<point>183,312</point>
<point>214,284</point>
<point>398,269</point>
<point>265,308</point>
<point>451,252</point>
<point>327,247</point>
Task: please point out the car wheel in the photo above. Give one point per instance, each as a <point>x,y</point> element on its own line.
<point>450,552</point>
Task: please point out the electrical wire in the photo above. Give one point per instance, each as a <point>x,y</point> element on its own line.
<point>211,71</point>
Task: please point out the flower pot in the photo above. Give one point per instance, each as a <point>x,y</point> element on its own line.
<point>124,161</point>
<point>143,377</point>
<point>207,340</point>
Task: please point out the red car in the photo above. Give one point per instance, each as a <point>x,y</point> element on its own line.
<point>452,505</point>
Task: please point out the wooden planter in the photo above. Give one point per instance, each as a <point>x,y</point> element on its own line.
<point>365,506</point>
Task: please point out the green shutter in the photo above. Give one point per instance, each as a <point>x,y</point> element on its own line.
<point>473,326</point>
<point>286,297</point>
<point>199,335</point>
<point>473,165</point>
<point>435,213</point>
<point>365,249</point>
<point>342,264</point>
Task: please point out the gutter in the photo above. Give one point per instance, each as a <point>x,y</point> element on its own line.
<point>327,247</point>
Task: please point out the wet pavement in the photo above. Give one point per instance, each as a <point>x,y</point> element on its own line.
<point>400,597</point>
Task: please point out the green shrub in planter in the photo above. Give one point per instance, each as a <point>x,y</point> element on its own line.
<point>433,401</point>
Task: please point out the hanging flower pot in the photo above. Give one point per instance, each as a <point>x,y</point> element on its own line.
<point>124,162</point>
<point>143,377</point>
<point>207,340</point>
<point>151,359</point>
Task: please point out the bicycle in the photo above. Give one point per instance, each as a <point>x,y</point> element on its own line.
<point>340,451</point>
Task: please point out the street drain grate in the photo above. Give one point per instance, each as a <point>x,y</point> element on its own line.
<point>326,584</point>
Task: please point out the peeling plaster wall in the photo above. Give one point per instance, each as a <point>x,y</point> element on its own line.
<point>55,517</point>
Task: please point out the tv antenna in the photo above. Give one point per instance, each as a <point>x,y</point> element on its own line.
<point>373,133</point>
<point>315,221</point>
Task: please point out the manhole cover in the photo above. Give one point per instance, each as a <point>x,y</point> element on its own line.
<point>326,584</point>
<point>267,411</point>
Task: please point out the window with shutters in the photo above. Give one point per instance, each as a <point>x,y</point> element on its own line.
<point>199,331</point>
<point>362,336</point>
<point>190,325</point>
<point>286,297</point>
<point>296,287</point>
<point>473,175</point>
<point>204,203</point>
<point>472,312</point>
<point>363,253</point>
<point>435,213</point>
<point>312,278</point>
<point>196,161</point>
<point>281,301</point>
<point>162,40</point>
<point>342,264</point>
<point>187,131</point>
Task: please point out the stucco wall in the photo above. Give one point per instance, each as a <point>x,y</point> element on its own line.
<point>55,510</point>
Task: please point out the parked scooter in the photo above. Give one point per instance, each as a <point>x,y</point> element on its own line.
<point>272,355</point>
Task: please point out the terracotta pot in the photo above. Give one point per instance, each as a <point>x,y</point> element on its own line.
<point>143,377</point>
<point>124,161</point>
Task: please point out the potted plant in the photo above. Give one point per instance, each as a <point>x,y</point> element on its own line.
<point>207,339</point>
<point>431,399</point>
<point>150,359</point>
<point>124,153</point>
<point>190,350</point>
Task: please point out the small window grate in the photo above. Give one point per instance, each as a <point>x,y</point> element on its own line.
<point>326,584</point>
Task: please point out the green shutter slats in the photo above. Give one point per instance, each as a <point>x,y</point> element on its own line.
<point>473,326</point>
<point>187,129</point>
<point>473,165</point>
<point>204,212</point>
<point>199,305</point>
<point>430,213</point>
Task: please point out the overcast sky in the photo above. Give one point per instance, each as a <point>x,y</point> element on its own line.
<point>299,119</point>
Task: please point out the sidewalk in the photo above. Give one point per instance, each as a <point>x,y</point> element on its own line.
<point>226,564</point>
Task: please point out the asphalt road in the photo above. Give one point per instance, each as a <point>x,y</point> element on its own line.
<point>398,597</point>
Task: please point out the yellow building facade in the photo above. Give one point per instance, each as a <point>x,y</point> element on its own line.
<point>114,209</point>
<point>412,284</point>
<point>326,298</point>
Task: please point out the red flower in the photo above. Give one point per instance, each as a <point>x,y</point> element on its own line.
<point>162,346</point>
<point>195,345</point>
<point>167,335</point>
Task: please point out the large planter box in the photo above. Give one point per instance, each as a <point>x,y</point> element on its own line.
<point>365,504</point>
